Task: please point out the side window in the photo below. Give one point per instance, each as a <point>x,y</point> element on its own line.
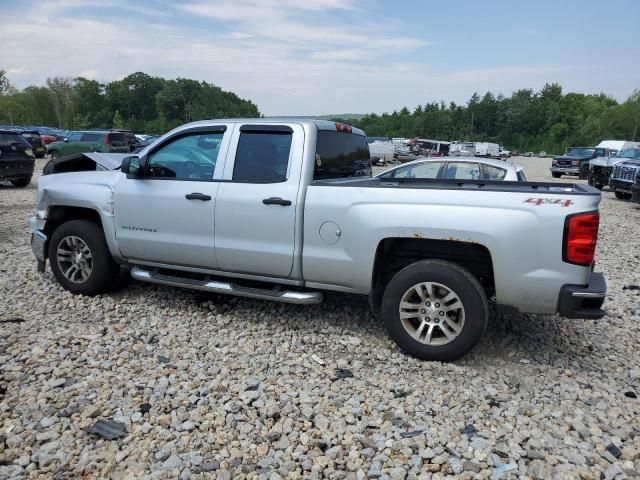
<point>91,137</point>
<point>75,137</point>
<point>427,170</point>
<point>262,157</point>
<point>493,173</point>
<point>462,171</point>
<point>188,157</point>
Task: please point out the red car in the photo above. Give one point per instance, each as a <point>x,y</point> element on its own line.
<point>47,139</point>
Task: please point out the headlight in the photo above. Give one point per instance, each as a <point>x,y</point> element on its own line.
<point>576,163</point>
<point>28,151</point>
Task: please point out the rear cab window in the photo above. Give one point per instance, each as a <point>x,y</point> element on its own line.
<point>341,154</point>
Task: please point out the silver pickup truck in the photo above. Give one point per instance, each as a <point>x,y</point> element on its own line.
<point>285,209</point>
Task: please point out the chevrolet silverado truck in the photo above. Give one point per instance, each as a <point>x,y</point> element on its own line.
<point>286,209</point>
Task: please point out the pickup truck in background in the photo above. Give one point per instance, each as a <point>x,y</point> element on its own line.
<point>576,161</point>
<point>286,209</point>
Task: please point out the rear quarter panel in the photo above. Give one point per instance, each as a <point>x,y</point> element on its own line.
<point>524,238</point>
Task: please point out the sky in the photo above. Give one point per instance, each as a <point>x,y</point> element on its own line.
<point>316,57</point>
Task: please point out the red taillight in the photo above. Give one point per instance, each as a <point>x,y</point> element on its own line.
<point>342,127</point>
<point>107,139</point>
<point>580,237</point>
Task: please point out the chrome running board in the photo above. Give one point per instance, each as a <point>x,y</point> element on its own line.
<point>216,286</point>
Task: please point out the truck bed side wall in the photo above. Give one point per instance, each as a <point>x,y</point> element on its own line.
<point>524,240</point>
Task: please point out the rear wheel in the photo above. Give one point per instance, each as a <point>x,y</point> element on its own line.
<point>21,182</point>
<point>623,195</point>
<point>80,259</point>
<point>435,310</point>
<point>53,155</point>
<point>556,174</point>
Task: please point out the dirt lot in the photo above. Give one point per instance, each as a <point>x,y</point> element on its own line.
<point>226,388</point>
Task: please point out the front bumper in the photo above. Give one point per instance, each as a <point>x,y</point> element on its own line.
<point>578,301</point>
<point>566,170</point>
<point>38,241</point>
<point>620,185</point>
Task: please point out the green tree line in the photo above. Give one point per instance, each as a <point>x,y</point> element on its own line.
<point>139,102</point>
<point>547,120</point>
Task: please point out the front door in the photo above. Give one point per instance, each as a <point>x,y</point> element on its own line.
<point>257,201</point>
<point>167,216</point>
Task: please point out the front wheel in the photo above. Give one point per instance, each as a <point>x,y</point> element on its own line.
<point>623,196</point>
<point>435,310</point>
<point>556,174</point>
<point>80,259</point>
<point>584,172</point>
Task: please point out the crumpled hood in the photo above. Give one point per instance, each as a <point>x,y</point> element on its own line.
<point>109,161</point>
<point>605,161</point>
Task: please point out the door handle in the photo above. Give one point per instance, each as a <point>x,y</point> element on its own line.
<point>276,201</point>
<point>197,196</point>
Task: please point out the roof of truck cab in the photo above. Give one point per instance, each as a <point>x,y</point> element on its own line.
<point>320,124</point>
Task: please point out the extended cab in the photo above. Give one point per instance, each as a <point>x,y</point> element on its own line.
<point>285,209</point>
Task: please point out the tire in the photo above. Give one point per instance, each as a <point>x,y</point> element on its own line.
<point>623,195</point>
<point>53,155</point>
<point>21,182</point>
<point>445,278</point>
<point>556,174</point>
<point>584,172</point>
<point>103,271</point>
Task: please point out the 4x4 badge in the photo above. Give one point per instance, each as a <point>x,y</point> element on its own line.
<point>537,201</point>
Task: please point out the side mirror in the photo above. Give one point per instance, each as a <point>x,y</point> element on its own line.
<point>131,167</point>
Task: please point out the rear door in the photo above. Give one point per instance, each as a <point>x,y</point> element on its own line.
<point>89,142</point>
<point>256,206</point>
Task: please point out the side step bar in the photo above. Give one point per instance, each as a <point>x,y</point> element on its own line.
<point>216,286</point>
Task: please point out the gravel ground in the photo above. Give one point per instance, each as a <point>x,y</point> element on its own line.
<point>221,387</point>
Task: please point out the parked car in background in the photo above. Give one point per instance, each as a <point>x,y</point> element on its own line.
<point>487,150</point>
<point>600,168</point>
<point>90,141</point>
<point>457,168</point>
<point>542,154</point>
<point>504,153</point>
<point>527,154</point>
<point>35,140</point>
<point>148,140</point>
<point>624,175</point>
<point>47,139</point>
<point>576,161</point>
<point>16,158</point>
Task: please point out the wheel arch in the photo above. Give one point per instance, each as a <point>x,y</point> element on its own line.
<point>393,254</point>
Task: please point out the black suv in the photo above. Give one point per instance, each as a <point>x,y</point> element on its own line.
<point>16,158</point>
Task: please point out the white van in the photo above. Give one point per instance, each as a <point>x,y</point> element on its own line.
<point>618,145</point>
<point>487,150</point>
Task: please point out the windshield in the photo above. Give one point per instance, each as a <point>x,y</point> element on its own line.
<point>581,152</point>
<point>629,153</point>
